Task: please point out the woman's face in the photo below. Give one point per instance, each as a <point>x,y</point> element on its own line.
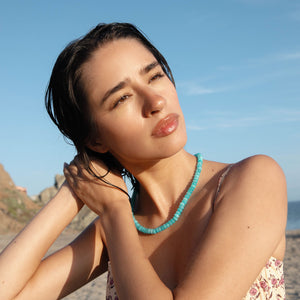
<point>133,103</point>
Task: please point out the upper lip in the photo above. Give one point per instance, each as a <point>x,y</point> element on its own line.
<point>164,122</point>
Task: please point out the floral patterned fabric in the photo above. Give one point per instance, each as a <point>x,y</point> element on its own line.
<point>269,285</point>
<point>111,293</point>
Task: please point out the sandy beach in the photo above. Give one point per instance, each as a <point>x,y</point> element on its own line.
<point>96,289</point>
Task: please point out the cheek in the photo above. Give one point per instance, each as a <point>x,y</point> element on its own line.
<point>119,131</point>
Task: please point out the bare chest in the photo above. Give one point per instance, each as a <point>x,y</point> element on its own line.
<point>171,251</point>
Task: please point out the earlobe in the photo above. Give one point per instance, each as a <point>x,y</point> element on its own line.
<point>98,147</point>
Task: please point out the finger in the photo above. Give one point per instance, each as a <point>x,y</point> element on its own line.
<point>80,169</point>
<point>77,160</point>
<point>69,176</point>
<point>73,180</point>
<point>77,168</point>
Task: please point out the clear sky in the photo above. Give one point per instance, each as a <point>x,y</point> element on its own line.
<point>236,65</point>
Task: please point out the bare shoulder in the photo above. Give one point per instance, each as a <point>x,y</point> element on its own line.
<point>259,172</point>
<point>260,164</point>
<point>256,185</point>
<point>246,228</point>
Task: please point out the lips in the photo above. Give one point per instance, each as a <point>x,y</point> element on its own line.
<point>166,125</point>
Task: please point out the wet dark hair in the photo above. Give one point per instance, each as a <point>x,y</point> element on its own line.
<point>66,99</point>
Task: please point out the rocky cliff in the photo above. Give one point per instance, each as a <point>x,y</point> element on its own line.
<point>17,208</point>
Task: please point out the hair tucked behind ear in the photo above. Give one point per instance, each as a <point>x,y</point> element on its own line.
<point>66,101</point>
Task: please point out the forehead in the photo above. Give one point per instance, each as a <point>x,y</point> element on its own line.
<point>115,61</point>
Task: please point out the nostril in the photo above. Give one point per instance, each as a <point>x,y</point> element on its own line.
<point>155,111</point>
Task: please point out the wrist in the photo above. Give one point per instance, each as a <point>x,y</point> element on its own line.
<point>116,213</point>
<point>66,194</point>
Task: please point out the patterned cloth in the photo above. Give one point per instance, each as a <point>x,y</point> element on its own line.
<point>111,293</point>
<point>269,285</point>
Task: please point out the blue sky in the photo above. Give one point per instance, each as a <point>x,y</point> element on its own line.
<point>236,65</point>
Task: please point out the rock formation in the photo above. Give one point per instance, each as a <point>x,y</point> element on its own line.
<point>48,193</point>
<point>16,208</point>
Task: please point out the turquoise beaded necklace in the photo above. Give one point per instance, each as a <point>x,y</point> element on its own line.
<point>180,209</point>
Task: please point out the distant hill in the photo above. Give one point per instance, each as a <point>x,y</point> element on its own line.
<point>17,208</point>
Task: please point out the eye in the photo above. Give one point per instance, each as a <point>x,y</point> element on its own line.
<point>157,76</point>
<point>121,100</point>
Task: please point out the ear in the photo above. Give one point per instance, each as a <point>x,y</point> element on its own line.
<point>98,147</point>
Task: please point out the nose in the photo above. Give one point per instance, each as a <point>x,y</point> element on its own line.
<point>153,102</point>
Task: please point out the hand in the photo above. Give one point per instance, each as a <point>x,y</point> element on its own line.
<point>97,194</point>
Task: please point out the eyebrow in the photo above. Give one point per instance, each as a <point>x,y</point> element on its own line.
<point>123,83</point>
<point>115,89</point>
<point>149,67</point>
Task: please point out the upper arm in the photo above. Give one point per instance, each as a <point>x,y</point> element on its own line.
<point>69,268</point>
<point>246,227</point>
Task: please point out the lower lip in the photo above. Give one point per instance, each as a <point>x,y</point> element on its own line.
<point>166,126</point>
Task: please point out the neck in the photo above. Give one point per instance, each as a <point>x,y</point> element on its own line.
<point>163,183</point>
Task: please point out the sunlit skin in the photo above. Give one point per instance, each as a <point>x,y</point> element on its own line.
<point>130,119</point>
<point>217,242</point>
<point>126,118</point>
<point>140,102</point>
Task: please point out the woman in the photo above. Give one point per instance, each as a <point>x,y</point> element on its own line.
<point>194,229</point>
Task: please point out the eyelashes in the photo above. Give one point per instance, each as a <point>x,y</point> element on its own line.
<point>157,76</point>
<point>126,96</point>
<point>121,100</point>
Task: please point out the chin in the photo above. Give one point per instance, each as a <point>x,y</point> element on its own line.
<point>173,146</point>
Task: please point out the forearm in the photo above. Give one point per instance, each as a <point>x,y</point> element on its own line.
<point>134,276</point>
<point>20,260</point>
